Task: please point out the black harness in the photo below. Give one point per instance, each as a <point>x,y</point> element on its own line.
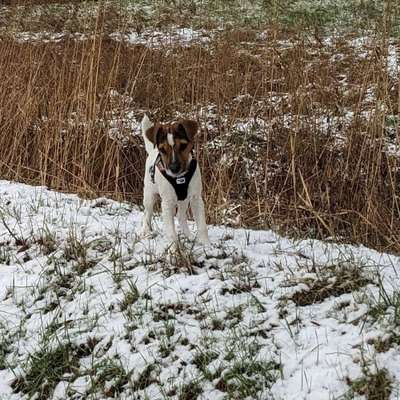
<point>180,183</point>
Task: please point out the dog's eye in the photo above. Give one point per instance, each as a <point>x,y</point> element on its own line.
<point>183,146</point>
<point>162,150</point>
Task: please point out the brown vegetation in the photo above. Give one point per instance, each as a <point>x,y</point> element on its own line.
<point>59,101</point>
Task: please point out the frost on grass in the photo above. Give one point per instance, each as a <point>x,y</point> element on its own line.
<point>88,310</point>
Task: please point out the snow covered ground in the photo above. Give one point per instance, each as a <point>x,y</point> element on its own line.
<point>89,310</point>
<point>151,38</point>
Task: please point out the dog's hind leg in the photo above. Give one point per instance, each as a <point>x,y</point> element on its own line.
<point>148,202</point>
<point>182,217</point>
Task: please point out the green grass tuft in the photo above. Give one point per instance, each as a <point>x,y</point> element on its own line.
<point>45,369</point>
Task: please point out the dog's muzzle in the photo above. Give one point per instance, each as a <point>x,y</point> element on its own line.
<point>175,167</point>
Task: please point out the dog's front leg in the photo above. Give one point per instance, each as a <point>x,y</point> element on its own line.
<point>182,217</point>
<point>168,213</point>
<point>197,205</point>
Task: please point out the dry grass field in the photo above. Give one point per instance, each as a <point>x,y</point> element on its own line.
<point>299,126</point>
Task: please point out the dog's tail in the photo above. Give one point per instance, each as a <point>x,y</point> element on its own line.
<point>146,124</point>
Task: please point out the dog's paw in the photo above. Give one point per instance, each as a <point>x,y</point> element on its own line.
<point>188,236</point>
<point>146,234</point>
<point>204,240</point>
<point>173,248</point>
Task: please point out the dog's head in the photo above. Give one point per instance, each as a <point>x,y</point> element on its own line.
<point>174,142</point>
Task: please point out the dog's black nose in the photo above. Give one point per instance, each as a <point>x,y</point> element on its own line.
<point>175,167</point>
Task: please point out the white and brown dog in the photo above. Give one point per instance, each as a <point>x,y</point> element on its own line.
<point>174,174</point>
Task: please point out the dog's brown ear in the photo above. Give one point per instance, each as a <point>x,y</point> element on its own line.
<point>153,134</point>
<point>188,127</point>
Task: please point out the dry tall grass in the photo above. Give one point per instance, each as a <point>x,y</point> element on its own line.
<point>58,104</point>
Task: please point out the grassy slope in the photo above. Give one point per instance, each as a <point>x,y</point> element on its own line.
<point>89,310</point>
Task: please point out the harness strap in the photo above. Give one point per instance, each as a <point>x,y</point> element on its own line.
<point>153,168</point>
